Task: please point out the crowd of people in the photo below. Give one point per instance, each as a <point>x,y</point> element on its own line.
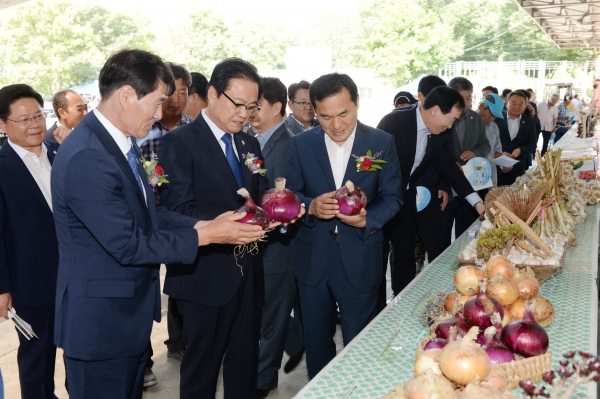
<point>83,232</point>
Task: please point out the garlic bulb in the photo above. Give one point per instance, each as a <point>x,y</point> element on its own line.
<point>532,262</point>
<point>580,185</point>
<point>487,225</point>
<point>467,255</point>
<point>516,259</point>
<point>551,262</point>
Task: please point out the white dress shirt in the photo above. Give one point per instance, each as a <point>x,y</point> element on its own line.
<point>339,155</point>
<point>39,167</point>
<point>123,142</point>
<point>219,133</point>
<point>513,126</point>
<point>547,113</point>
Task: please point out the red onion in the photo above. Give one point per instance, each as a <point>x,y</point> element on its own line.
<point>495,350</point>
<point>350,199</point>
<point>281,204</point>
<point>443,329</point>
<point>478,310</point>
<point>436,343</point>
<point>526,337</point>
<point>254,215</point>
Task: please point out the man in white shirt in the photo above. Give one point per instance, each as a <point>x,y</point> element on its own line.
<point>578,105</point>
<point>28,246</point>
<point>548,114</point>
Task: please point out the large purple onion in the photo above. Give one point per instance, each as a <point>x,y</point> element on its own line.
<point>254,215</point>
<point>436,343</point>
<point>526,337</point>
<point>478,310</point>
<point>281,204</point>
<point>350,199</point>
<point>495,350</point>
<point>443,329</point>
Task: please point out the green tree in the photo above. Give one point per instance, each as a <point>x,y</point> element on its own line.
<point>402,40</point>
<point>58,44</point>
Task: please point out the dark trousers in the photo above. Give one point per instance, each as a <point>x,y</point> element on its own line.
<point>460,214</point>
<point>174,327</point>
<point>37,358</point>
<point>294,342</point>
<point>227,335</point>
<point>546,136</point>
<point>560,131</point>
<point>506,179</point>
<point>106,379</point>
<point>402,230</point>
<point>357,309</point>
<point>280,295</point>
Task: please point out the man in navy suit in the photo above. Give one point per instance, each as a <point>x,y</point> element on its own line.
<point>112,237</point>
<point>338,257</point>
<point>28,247</point>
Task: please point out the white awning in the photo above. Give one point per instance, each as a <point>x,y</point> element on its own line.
<point>569,23</point>
<point>9,3</point>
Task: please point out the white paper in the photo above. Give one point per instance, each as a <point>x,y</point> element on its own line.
<point>23,327</point>
<point>478,172</point>
<point>504,162</point>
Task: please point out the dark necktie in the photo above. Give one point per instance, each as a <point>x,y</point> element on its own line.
<point>132,160</point>
<point>233,160</point>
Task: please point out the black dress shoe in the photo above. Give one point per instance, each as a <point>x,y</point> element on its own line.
<point>293,362</point>
<point>263,393</point>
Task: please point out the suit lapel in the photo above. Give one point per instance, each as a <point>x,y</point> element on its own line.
<point>272,140</point>
<point>318,144</point>
<point>51,153</point>
<point>243,148</point>
<point>16,167</point>
<point>359,148</point>
<point>112,147</point>
<point>213,153</point>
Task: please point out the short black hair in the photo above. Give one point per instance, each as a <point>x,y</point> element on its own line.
<point>330,84</point>
<point>60,101</point>
<point>530,90</point>
<point>567,98</point>
<point>179,72</point>
<point>294,87</point>
<point>461,84</point>
<point>199,85</point>
<point>139,69</point>
<point>274,91</point>
<point>525,93</point>
<point>430,82</point>
<point>446,98</point>
<point>506,92</point>
<point>517,93</point>
<point>13,93</point>
<point>492,88</point>
<point>233,68</point>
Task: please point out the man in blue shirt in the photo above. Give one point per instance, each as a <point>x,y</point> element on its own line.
<point>562,125</point>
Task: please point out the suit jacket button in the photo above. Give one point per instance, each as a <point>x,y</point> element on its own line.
<point>154,279</point>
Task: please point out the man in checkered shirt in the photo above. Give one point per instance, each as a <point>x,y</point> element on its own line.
<point>562,125</point>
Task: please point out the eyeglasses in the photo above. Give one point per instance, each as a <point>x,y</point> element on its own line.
<point>302,104</point>
<point>241,107</point>
<point>27,121</point>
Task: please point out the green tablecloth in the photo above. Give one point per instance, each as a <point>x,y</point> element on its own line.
<point>383,354</point>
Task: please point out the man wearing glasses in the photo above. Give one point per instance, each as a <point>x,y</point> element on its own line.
<point>303,115</point>
<point>220,295</point>
<point>28,245</point>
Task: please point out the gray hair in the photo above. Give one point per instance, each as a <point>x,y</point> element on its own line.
<point>460,84</point>
<point>553,96</point>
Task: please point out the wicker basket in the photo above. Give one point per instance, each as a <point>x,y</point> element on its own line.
<point>518,370</point>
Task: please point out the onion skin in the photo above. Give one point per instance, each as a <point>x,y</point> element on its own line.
<point>499,264</point>
<point>517,309</point>
<point>350,199</point>
<point>428,359</point>
<point>529,287</point>
<point>499,355</point>
<point>503,289</point>
<point>479,309</point>
<point>443,329</point>
<point>255,215</point>
<point>463,361</point>
<point>281,204</point>
<point>466,280</point>
<point>436,343</point>
<point>543,309</point>
<point>525,337</point>
<point>496,378</point>
<point>479,391</point>
<point>455,301</point>
<point>429,385</point>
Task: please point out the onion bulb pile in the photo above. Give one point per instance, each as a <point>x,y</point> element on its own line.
<point>281,204</point>
<point>255,215</point>
<point>526,337</point>
<point>350,199</point>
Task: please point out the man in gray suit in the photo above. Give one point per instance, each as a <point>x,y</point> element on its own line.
<point>470,141</point>
<point>278,253</point>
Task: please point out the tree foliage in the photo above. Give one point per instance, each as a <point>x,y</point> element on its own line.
<point>54,45</point>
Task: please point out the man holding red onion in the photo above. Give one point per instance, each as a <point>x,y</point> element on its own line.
<point>338,256</point>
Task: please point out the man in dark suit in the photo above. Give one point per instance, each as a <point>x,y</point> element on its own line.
<point>28,247</point>
<point>279,251</point>
<point>517,135</point>
<point>416,151</point>
<point>70,109</point>
<point>336,255</point>
<point>220,295</point>
<point>112,237</point>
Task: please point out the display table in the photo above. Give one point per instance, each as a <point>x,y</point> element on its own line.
<point>383,354</point>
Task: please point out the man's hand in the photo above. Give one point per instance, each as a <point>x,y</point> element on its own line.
<point>506,170</point>
<point>508,154</point>
<point>225,230</point>
<point>516,153</point>
<point>359,220</point>
<point>5,304</point>
<point>480,208</point>
<point>444,196</point>
<point>324,206</point>
<point>467,155</point>
<point>459,166</point>
<point>61,133</point>
<point>302,212</point>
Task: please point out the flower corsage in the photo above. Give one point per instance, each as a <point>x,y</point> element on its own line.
<point>156,174</point>
<point>368,162</point>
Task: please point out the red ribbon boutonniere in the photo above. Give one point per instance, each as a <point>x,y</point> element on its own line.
<point>369,162</point>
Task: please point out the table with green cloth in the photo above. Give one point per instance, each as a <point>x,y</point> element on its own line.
<point>383,354</point>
